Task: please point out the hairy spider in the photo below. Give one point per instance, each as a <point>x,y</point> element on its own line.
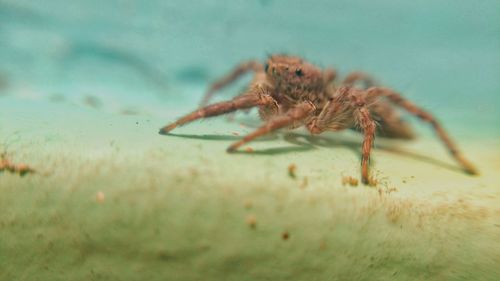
<point>291,92</point>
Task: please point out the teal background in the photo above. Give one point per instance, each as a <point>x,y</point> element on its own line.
<point>158,56</point>
<point>85,86</point>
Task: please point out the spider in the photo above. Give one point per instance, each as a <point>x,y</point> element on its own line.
<point>291,92</point>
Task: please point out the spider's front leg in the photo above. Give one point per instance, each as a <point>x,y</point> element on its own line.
<point>368,126</point>
<point>342,112</point>
<point>236,73</point>
<point>295,114</point>
<point>241,102</point>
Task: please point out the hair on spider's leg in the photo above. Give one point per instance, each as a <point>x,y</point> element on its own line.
<point>429,118</point>
<point>341,110</point>
<point>297,113</point>
<point>368,126</point>
<point>241,102</point>
<point>236,73</point>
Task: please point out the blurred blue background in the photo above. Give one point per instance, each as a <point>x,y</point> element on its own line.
<point>157,57</point>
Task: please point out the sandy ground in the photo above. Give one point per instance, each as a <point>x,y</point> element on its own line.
<point>113,200</point>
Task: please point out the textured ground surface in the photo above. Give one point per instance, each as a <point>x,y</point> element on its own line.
<point>112,200</point>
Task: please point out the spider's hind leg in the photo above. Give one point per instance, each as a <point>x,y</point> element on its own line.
<point>390,123</point>
<point>398,100</point>
<point>359,77</point>
<point>236,73</point>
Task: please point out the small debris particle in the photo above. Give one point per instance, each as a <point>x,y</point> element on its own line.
<point>373,181</point>
<point>193,172</point>
<point>235,133</point>
<point>21,169</point>
<point>305,183</point>
<point>137,123</point>
<point>164,255</point>
<point>285,235</point>
<point>99,197</point>
<point>251,221</point>
<point>322,245</point>
<point>391,189</point>
<point>292,170</point>
<point>204,247</point>
<point>249,149</point>
<point>348,180</point>
<point>248,204</point>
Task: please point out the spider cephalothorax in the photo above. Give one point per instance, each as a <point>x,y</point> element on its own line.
<point>293,75</point>
<point>291,92</point>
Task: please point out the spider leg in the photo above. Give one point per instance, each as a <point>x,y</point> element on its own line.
<point>241,102</point>
<point>237,72</point>
<point>366,123</point>
<point>329,75</point>
<point>295,114</point>
<point>343,112</point>
<point>397,99</point>
<point>357,76</point>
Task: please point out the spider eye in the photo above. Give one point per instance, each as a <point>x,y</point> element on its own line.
<point>266,67</point>
<point>299,72</point>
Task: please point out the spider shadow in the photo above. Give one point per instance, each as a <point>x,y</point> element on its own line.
<point>309,142</point>
<point>268,151</point>
<point>304,142</point>
<point>219,137</point>
<point>355,146</point>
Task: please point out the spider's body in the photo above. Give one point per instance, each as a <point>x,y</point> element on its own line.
<point>291,93</point>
